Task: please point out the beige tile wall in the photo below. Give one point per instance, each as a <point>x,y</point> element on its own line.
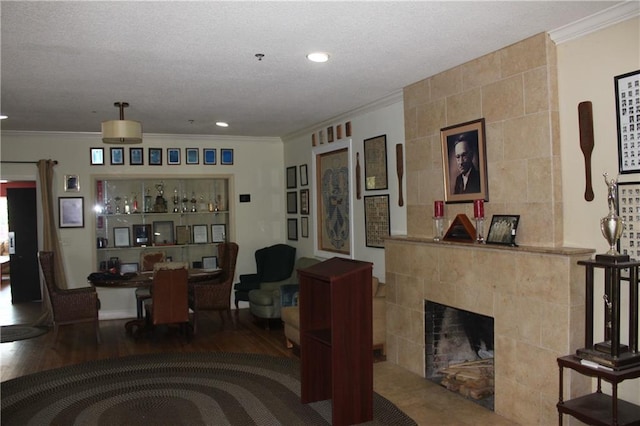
<point>535,296</point>
<point>515,91</point>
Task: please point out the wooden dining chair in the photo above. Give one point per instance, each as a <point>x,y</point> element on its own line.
<point>148,260</point>
<point>169,296</point>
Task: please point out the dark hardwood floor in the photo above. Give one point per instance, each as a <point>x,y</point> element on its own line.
<point>77,343</point>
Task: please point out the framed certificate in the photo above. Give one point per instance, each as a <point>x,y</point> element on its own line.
<point>121,237</point>
<point>200,235</point>
<point>218,233</point>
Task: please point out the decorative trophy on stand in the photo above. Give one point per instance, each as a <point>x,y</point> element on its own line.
<point>612,225</point>
<point>161,204</point>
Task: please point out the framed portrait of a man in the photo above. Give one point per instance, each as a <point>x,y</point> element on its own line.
<point>464,162</point>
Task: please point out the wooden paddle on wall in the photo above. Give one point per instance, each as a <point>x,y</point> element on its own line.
<point>585,122</point>
<point>400,170</point>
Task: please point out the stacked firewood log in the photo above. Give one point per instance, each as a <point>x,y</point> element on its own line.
<point>473,379</point>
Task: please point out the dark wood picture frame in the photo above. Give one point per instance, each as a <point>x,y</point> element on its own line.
<point>70,212</point>
<point>304,201</point>
<point>375,163</point>
<point>291,177</point>
<point>226,156</point>
<point>136,156</point>
<point>292,229</point>
<point>142,235</point>
<point>627,91</point>
<point>155,156</point>
<point>209,156</point>
<point>503,229</point>
<point>96,156</point>
<point>116,156</point>
<point>163,233</point>
<point>453,140</point>
<point>292,202</point>
<point>377,223</point>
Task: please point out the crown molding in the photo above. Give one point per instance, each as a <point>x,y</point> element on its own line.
<point>146,137</point>
<point>391,99</point>
<point>603,19</point>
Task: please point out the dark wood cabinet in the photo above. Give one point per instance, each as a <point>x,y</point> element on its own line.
<point>336,338</point>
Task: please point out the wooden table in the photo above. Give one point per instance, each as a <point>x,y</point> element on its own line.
<point>145,279</point>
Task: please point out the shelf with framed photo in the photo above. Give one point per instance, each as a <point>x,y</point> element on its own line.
<point>187,235</point>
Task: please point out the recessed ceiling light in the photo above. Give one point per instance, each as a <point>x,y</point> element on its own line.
<point>3,117</point>
<point>318,57</point>
<point>222,124</point>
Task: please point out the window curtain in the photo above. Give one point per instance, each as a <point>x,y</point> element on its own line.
<point>51,241</point>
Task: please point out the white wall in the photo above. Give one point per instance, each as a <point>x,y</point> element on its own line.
<point>257,170</point>
<point>384,118</point>
<point>586,69</point>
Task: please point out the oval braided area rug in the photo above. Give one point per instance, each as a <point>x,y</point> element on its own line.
<point>173,389</point>
<point>11,333</point>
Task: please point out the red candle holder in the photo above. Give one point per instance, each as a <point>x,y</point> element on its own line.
<point>438,208</point>
<point>478,209</point>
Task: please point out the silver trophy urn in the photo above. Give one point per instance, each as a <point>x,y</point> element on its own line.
<point>612,225</point>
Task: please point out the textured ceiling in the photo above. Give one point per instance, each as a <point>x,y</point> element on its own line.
<point>185,65</point>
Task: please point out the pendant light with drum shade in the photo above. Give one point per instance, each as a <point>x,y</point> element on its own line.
<point>121,131</point>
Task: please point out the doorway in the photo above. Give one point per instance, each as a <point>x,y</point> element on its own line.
<point>20,292</point>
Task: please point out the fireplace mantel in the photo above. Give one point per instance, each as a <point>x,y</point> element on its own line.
<point>535,295</point>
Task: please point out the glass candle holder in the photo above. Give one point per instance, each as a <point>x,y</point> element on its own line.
<point>479,230</point>
<point>438,228</point>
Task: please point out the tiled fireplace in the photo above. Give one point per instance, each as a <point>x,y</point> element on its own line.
<point>534,295</point>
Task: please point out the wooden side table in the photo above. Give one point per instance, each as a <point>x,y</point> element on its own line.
<point>598,408</point>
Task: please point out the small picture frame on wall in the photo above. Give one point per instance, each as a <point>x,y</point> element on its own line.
<point>291,177</point>
<point>173,156</point>
<point>304,176</point>
<point>376,220</point>
<point>292,202</point>
<point>628,206</point>
<point>192,156</point>
<point>200,235</point>
<point>136,156</point>
<point>304,227</point>
<point>117,156</point>
<point>304,201</point>
<point>71,183</point>
<point>96,156</point>
<point>292,229</point>
<point>226,156</point>
<point>218,233</point>
<point>155,156</point>
<point>209,156</point>
<point>329,134</point>
<point>375,163</point>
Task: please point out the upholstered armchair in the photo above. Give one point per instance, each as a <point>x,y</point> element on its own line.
<point>215,296</point>
<point>70,306</point>
<point>265,301</point>
<point>273,264</point>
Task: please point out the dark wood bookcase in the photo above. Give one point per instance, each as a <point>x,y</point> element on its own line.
<point>336,338</point>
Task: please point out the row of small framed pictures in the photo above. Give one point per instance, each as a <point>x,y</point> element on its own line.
<point>319,138</point>
<point>136,156</point>
<point>163,234</point>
